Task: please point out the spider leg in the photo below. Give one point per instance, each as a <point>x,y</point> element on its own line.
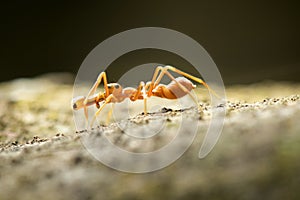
<point>137,93</point>
<point>107,100</point>
<point>145,100</point>
<point>101,76</point>
<point>158,75</point>
<point>108,118</point>
<point>191,77</point>
<point>141,90</point>
<point>183,88</point>
<point>151,85</point>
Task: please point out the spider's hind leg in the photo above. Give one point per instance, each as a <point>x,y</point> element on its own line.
<point>158,75</point>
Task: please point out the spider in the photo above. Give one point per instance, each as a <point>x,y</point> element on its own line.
<point>114,92</point>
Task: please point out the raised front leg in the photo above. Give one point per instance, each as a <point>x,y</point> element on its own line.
<point>101,76</point>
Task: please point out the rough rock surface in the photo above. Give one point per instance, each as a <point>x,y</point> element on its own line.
<point>42,156</point>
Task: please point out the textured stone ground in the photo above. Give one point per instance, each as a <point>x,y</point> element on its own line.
<point>42,156</point>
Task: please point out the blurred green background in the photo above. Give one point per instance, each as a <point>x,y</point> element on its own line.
<point>249,41</point>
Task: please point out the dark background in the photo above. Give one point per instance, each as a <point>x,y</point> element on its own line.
<point>249,41</point>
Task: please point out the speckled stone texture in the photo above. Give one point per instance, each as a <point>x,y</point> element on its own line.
<point>42,156</point>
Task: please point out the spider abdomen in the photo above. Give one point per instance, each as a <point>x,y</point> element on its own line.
<point>173,90</point>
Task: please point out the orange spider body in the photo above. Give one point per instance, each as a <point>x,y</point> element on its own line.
<point>172,91</point>
<point>114,93</point>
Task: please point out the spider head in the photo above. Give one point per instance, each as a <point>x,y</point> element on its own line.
<point>78,102</point>
<point>114,88</point>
